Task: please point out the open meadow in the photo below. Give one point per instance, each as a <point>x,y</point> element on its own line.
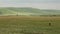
<point>29,25</point>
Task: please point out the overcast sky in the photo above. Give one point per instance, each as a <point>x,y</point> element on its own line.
<point>41,4</point>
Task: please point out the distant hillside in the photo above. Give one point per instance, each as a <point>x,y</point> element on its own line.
<point>27,11</point>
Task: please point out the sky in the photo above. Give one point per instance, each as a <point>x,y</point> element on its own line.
<point>40,4</point>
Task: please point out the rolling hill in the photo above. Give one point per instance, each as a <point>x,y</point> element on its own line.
<point>26,11</point>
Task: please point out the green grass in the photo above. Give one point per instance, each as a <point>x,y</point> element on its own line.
<point>29,25</point>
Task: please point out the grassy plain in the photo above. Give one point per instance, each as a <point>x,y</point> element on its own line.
<point>29,25</point>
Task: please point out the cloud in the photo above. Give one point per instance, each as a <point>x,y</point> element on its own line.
<point>30,1</point>
<point>15,5</point>
<point>16,1</point>
<point>46,5</point>
<point>45,1</point>
<point>41,4</point>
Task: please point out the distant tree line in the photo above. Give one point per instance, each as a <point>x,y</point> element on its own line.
<point>36,15</point>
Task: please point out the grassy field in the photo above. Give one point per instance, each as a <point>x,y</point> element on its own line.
<point>29,25</point>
